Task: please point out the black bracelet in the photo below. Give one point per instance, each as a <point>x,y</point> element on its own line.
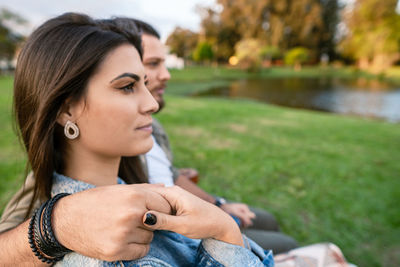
<point>57,250</point>
<point>40,233</point>
<point>35,237</point>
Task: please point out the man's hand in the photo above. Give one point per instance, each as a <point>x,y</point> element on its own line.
<point>241,211</point>
<point>106,222</point>
<point>190,173</point>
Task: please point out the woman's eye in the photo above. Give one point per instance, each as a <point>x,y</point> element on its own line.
<point>128,88</point>
<point>146,82</point>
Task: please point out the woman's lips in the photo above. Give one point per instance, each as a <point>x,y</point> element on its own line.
<point>147,128</point>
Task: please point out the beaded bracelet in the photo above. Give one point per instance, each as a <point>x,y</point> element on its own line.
<point>41,244</point>
<point>33,236</point>
<point>40,233</point>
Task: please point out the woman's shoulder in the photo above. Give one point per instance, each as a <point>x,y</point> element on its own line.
<point>75,259</point>
<point>146,261</point>
<point>64,184</point>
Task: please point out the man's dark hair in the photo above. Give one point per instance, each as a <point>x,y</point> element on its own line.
<point>146,28</point>
<point>135,24</point>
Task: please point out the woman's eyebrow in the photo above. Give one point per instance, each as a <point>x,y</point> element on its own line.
<point>126,74</point>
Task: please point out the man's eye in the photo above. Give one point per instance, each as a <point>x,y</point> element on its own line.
<point>152,63</point>
<point>128,88</point>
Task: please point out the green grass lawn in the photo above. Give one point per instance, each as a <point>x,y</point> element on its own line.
<point>12,159</point>
<point>325,177</point>
<point>196,73</point>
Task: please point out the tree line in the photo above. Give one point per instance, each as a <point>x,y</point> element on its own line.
<point>257,32</point>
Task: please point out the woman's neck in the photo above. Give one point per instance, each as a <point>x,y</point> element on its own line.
<point>91,168</point>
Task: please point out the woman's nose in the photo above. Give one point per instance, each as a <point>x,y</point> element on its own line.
<point>149,104</point>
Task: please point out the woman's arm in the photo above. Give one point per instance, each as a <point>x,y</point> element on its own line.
<point>196,218</point>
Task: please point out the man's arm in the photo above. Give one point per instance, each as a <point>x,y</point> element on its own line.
<point>184,182</point>
<point>14,246</point>
<point>103,223</point>
<point>15,250</point>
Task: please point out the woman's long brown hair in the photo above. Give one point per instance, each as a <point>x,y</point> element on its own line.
<point>53,67</point>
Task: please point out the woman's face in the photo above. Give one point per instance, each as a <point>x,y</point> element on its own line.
<point>114,118</point>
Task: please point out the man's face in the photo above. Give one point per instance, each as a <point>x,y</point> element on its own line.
<point>154,65</point>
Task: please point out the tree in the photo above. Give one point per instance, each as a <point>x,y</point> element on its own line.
<point>275,23</point>
<point>373,38</point>
<point>296,57</point>
<point>269,53</point>
<point>221,36</point>
<point>9,40</point>
<point>284,23</point>
<point>248,54</point>
<point>182,42</point>
<point>203,52</point>
<point>331,18</point>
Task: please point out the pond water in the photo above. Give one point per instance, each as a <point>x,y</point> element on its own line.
<point>360,97</point>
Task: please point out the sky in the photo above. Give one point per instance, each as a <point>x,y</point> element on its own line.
<point>164,15</point>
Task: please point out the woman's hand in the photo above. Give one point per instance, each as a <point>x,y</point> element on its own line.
<point>193,217</point>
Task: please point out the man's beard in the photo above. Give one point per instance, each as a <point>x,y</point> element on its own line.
<point>161,105</point>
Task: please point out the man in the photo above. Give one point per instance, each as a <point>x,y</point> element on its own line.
<point>85,228</point>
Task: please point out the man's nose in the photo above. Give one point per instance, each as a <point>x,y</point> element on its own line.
<point>164,74</point>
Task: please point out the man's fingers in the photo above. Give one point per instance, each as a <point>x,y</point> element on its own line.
<point>252,215</point>
<point>168,193</point>
<point>245,220</point>
<point>247,212</point>
<point>140,236</point>
<point>134,251</point>
<point>156,201</point>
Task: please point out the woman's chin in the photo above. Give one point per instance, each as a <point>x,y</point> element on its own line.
<point>143,147</point>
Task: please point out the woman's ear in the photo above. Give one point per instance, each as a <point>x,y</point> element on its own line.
<point>63,117</point>
<point>69,112</point>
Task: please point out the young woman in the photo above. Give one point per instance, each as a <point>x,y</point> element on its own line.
<point>81,104</point>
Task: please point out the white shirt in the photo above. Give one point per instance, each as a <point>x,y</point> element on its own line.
<point>159,167</point>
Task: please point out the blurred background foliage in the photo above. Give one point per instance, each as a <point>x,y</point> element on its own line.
<point>361,32</point>
<point>365,32</point>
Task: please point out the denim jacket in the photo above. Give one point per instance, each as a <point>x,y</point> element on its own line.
<point>169,248</point>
